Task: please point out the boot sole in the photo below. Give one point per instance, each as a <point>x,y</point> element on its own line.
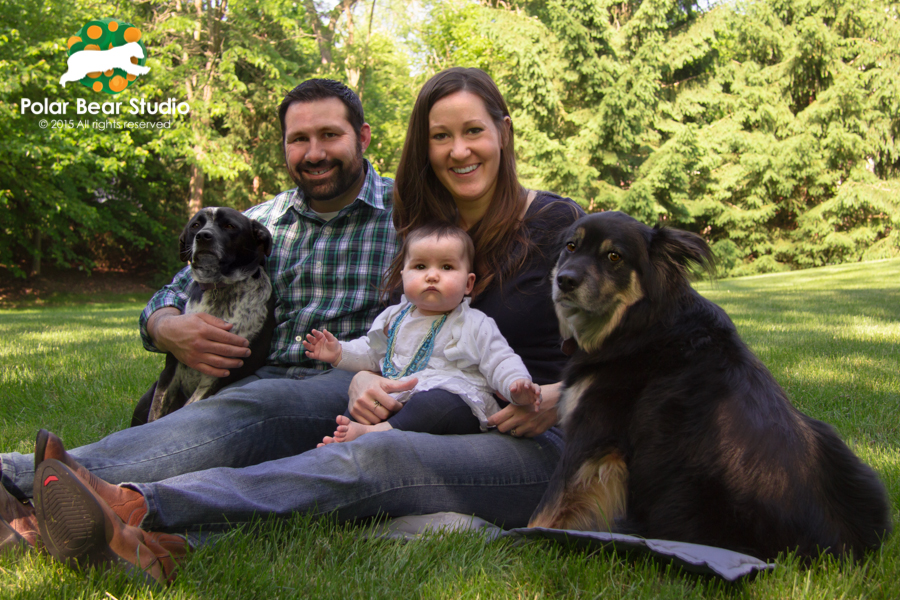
<point>73,525</point>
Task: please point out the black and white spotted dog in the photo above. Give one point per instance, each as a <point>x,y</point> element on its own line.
<point>226,251</point>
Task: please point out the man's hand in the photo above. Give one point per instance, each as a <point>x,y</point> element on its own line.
<point>321,345</point>
<point>370,400</point>
<point>200,341</point>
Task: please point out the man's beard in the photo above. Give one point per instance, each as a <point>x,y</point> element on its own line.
<point>344,178</point>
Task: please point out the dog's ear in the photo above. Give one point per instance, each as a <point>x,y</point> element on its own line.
<point>262,236</point>
<point>675,253</point>
<point>185,249</point>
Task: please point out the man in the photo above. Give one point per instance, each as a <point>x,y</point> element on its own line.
<point>333,239</point>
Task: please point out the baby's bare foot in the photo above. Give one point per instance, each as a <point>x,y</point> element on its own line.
<point>348,430</point>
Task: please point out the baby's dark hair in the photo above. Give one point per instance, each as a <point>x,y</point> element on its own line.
<point>438,229</point>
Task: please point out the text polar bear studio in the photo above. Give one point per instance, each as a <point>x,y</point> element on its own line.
<point>93,61</point>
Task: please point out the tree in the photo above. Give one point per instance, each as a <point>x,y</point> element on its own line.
<point>359,45</point>
<point>584,80</point>
<point>802,167</point>
<point>65,188</point>
<point>104,194</point>
<point>769,128</point>
<point>231,61</point>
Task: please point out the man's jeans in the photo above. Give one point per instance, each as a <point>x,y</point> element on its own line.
<point>251,451</point>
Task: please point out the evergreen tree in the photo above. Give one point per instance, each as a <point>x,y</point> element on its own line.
<point>768,127</point>
<point>802,167</point>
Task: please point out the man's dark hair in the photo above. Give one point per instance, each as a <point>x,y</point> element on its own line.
<point>321,89</point>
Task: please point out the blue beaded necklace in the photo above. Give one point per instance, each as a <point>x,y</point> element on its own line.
<point>422,355</point>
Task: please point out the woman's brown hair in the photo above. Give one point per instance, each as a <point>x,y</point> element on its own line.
<point>420,198</point>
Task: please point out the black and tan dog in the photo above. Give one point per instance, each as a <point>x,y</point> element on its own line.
<point>674,429</point>
<point>226,251</point>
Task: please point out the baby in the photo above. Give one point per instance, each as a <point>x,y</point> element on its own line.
<point>434,335</point>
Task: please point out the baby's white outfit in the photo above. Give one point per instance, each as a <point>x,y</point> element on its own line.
<point>470,358</point>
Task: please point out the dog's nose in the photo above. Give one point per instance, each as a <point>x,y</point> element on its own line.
<point>567,280</point>
<point>205,235</point>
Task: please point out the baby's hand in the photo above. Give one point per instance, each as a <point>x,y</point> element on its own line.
<point>525,392</point>
<point>321,345</point>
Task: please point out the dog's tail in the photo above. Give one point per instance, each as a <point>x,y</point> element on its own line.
<point>859,512</point>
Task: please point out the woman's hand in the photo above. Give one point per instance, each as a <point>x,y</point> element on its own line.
<point>523,421</point>
<point>370,400</point>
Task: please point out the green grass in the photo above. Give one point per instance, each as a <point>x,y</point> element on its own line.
<point>62,298</point>
<point>830,336</point>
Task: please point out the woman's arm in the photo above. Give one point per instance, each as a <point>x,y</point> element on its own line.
<point>523,421</point>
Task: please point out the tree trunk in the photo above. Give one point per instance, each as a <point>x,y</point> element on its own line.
<point>36,257</point>
<point>361,88</point>
<point>323,35</point>
<point>198,178</point>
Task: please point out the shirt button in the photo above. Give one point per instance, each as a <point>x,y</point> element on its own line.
<point>299,338</point>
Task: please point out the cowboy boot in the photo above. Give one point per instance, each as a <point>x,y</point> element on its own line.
<point>128,504</point>
<point>78,528</point>
<point>168,548</point>
<point>18,523</point>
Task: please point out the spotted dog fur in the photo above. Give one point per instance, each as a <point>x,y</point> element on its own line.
<point>674,429</point>
<point>226,251</point>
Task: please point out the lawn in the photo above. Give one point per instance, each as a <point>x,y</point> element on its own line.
<point>831,337</point>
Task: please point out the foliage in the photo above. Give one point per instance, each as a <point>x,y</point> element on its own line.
<point>232,63</point>
<point>801,169</point>
<point>769,127</point>
<point>114,195</point>
<point>72,189</point>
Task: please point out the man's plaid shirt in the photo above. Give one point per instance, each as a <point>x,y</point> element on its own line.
<point>326,274</point>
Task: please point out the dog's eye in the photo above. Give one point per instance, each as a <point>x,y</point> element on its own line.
<point>570,246</point>
<point>195,225</point>
<point>614,256</point>
<point>227,226</point>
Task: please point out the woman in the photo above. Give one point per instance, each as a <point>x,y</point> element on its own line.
<point>458,164</point>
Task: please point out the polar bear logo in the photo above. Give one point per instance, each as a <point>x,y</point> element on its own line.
<point>91,61</point>
<point>105,55</point>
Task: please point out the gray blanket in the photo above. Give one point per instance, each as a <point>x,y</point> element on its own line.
<point>691,557</point>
